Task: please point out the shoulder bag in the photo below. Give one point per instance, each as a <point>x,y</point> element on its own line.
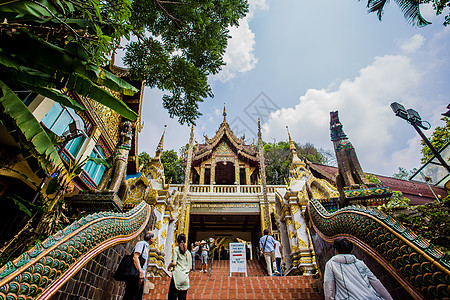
<point>126,270</point>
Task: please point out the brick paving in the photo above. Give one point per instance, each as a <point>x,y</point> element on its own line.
<point>256,286</point>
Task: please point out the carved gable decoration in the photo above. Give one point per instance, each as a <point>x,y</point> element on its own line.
<point>225,144</point>
<point>223,150</point>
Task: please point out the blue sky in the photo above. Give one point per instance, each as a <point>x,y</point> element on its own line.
<point>292,62</point>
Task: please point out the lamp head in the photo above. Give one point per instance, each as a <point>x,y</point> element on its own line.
<point>414,116</point>
<point>399,110</point>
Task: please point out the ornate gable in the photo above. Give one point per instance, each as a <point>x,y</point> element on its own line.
<point>225,136</point>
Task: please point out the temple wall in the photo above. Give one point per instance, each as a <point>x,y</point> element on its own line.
<point>324,251</point>
<point>94,281</point>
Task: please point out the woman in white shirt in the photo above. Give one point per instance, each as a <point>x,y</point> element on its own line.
<point>181,265</point>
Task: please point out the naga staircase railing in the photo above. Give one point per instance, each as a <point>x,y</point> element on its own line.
<point>41,271</point>
<point>420,267</point>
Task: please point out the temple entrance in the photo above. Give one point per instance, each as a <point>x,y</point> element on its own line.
<point>226,228</point>
<point>225,173</point>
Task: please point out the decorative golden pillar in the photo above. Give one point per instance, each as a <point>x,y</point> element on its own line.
<point>236,171</point>
<point>262,170</point>
<point>247,175</point>
<point>185,207</point>
<point>213,170</point>
<point>202,174</point>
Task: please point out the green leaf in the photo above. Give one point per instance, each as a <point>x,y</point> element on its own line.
<point>100,161</point>
<point>53,186</point>
<point>56,96</point>
<point>85,87</point>
<point>19,203</point>
<point>26,129</point>
<point>110,80</point>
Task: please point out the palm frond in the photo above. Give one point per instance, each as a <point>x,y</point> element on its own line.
<point>409,8</point>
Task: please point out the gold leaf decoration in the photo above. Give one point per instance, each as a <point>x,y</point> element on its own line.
<point>160,207</point>
<point>301,243</point>
<point>291,234</point>
<point>158,225</point>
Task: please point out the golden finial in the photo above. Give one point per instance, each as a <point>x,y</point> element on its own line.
<point>259,129</point>
<point>160,146</point>
<point>224,114</point>
<point>291,143</point>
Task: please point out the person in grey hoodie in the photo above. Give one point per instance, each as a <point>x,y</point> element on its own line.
<point>347,277</point>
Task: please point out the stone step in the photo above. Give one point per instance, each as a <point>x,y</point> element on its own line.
<point>221,286</point>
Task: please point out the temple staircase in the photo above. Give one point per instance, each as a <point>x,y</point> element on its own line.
<point>256,286</point>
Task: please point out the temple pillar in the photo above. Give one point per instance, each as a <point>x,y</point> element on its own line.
<point>236,171</point>
<point>213,170</point>
<point>202,174</point>
<point>247,175</point>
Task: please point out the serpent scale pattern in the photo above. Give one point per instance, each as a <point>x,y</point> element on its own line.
<point>39,272</point>
<point>416,262</point>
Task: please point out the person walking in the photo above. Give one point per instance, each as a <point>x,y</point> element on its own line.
<point>194,247</point>
<point>278,257</point>
<point>181,264</point>
<point>347,277</point>
<point>134,288</point>
<point>266,244</point>
<point>204,257</point>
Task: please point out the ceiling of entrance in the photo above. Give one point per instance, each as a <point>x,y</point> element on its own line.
<point>225,222</point>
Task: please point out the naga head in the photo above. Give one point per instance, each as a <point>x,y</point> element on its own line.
<point>337,133</point>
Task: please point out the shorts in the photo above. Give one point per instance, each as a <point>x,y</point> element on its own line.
<point>204,258</point>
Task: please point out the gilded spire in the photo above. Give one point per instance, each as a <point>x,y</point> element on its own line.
<point>291,143</point>
<point>160,146</point>
<point>224,114</point>
<point>259,129</point>
<point>295,158</point>
<point>262,174</point>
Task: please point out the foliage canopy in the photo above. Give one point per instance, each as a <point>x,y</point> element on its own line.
<point>278,159</point>
<point>411,10</point>
<point>439,138</point>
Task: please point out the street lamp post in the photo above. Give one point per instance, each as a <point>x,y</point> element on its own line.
<point>413,118</point>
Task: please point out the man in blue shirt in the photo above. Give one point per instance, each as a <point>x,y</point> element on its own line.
<point>134,288</point>
<point>266,244</point>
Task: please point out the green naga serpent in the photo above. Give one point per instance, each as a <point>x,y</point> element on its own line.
<point>41,271</point>
<point>422,269</point>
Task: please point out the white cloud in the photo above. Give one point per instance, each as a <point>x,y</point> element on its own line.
<point>365,113</point>
<point>413,44</point>
<point>239,56</point>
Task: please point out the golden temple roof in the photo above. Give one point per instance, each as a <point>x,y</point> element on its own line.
<point>224,132</point>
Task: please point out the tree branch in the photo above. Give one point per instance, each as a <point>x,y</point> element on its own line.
<point>59,20</point>
<point>176,20</point>
<point>140,38</point>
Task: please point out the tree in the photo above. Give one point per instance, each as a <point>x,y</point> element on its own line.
<point>278,159</point>
<point>173,166</point>
<point>143,159</point>
<point>439,138</point>
<point>179,43</point>
<point>404,174</point>
<point>411,10</point>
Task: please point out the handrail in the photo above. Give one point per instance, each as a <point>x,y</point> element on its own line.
<point>41,271</point>
<point>226,189</point>
<point>421,268</point>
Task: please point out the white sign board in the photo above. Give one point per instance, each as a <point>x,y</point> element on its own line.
<point>238,259</point>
